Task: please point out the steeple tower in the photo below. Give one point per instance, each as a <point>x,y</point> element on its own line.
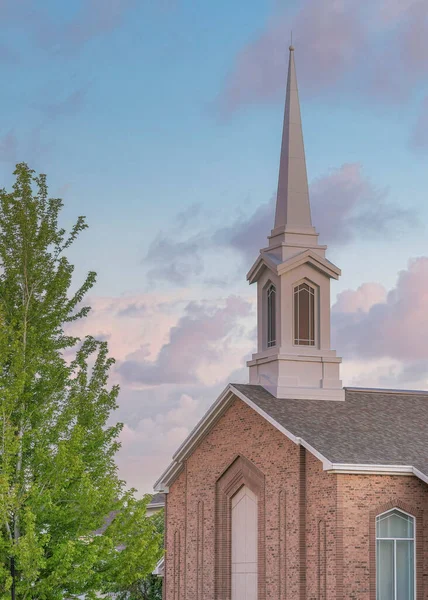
<point>294,359</point>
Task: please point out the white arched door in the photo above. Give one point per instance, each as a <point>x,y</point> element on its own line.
<point>244,545</point>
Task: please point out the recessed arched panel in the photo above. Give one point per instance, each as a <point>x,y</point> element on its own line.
<point>244,545</point>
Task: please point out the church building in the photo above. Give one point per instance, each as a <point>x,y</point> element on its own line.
<point>293,487</point>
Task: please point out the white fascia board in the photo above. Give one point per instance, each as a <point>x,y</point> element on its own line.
<point>194,437</point>
<point>263,261</point>
<point>314,259</point>
<point>420,475</point>
<point>204,424</point>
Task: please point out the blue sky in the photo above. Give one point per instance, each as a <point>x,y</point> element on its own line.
<point>161,122</point>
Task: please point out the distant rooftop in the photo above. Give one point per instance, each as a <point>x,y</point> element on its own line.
<point>157,501</point>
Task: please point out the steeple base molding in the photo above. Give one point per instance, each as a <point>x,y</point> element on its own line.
<point>298,377</point>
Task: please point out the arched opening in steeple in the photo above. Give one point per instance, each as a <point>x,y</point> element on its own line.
<point>271,315</point>
<point>304,314</point>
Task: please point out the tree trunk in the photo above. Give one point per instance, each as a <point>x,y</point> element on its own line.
<point>12,572</point>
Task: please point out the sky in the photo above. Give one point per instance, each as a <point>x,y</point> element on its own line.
<point>161,121</point>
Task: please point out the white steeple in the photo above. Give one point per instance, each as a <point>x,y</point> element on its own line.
<point>292,205</point>
<point>294,359</point>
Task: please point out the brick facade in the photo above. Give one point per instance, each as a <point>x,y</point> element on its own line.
<point>315,529</point>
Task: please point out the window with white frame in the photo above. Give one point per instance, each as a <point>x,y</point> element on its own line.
<point>271,316</point>
<point>304,315</point>
<point>395,556</point>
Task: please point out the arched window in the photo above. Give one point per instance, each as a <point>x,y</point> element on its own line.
<point>271,316</point>
<point>304,315</point>
<point>395,556</point>
<point>244,545</point>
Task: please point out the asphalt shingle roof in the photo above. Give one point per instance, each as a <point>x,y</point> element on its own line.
<point>157,499</point>
<point>369,427</point>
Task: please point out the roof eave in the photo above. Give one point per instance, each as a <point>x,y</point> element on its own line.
<point>315,260</point>
<point>194,437</point>
<point>220,406</point>
<point>262,262</point>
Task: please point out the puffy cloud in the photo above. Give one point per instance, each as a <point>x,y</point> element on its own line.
<point>92,19</point>
<point>133,321</point>
<point>173,260</point>
<point>360,300</point>
<point>95,18</point>
<point>198,341</point>
<point>329,35</point>
<point>346,205</point>
<point>208,340</point>
<point>334,38</point>
<point>247,234</point>
<point>394,327</point>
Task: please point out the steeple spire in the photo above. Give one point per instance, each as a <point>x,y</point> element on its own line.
<point>293,211</point>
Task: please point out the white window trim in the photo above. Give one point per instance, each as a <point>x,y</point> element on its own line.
<point>413,539</point>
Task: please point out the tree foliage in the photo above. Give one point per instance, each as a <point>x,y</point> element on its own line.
<point>58,478</point>
<point>147,587</point>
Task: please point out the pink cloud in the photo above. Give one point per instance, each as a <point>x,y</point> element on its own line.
<point>360,300</point>
<point>377,49</point>
<point>395,327</point>
<point>345,205</point>
<point>201,336</point>
<point>328,34</point>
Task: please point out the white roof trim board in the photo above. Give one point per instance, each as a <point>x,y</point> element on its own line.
<point>219,408</point>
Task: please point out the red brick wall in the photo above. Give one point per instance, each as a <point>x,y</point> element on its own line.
<point>242,432</point>
<point>321,526</point>
<point>365,496</point>
<point>318,550</point>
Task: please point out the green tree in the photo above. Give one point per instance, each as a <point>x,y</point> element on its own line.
<point>58,478</point>
<point>148,587</point>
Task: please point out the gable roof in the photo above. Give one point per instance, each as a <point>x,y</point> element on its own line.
<point>371,431</point>
<point>272,262</point>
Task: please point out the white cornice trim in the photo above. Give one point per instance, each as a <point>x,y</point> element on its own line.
<point>218,409</point>
<point>388,391</point>
<point>361,469</point>
<point>370,469</point>
<point>311,257</point>
<point>279,268</point>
